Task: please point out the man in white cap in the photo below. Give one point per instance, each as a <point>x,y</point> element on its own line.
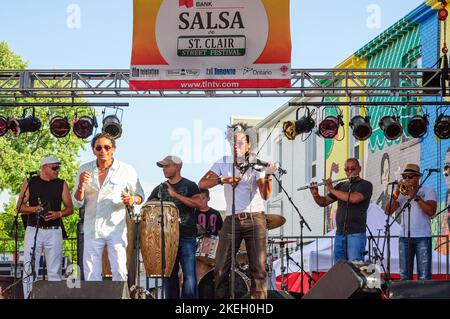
<point>106,187</point>
<point>415,235</point>
<point>185,194</point>
<point>40,201</point>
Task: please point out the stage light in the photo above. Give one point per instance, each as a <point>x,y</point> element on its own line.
<point>24,125</point>
<point>303,125</point>
<point>329,127</point>
<point>84,126</point>
<point>417,126</point>
<point>112,126</point>
<point>391,127</point>
<point>442,127</point>
<point>59,126</point>
<point>3,126</point>
<point>361,127</point>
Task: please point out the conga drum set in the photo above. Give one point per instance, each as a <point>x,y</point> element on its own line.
<point>150,241</point>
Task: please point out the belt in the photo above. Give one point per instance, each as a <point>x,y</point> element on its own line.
<point>46,227</point>
<point>244,216</point>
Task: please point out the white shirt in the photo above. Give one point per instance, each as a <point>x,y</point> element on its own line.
<point>420,222</point>
<point>247,196</point>
<point>104,214</point>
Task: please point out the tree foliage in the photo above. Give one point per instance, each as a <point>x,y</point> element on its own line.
<point>23,154</point>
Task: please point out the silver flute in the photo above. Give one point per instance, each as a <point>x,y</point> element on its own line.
<point>322,183</point>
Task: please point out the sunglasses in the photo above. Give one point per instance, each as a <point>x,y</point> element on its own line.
<point>55,168</point>
<point>107,148</point>
<point>408,176</point>
<point>240,143</point>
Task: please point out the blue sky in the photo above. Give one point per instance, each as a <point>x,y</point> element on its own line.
<point>323,34</point>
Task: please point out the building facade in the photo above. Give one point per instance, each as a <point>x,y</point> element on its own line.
<point>412,42</point>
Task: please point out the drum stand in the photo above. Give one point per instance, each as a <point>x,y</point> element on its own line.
<point>284,286</point>
<point>163,243</point>
<point>302,224</point>
<point>269,260</point>
<point>137,266</point>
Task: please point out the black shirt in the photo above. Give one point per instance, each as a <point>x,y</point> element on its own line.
<point>46,191</point>
<point>185,187</point>
<point>357,213</point>
<point>210,220</point>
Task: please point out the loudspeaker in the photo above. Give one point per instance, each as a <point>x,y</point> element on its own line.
<point>345,280</point>
<point>420,289</point>
<point>279,294</point>
<point>88,290</point>
<point>14,288</point>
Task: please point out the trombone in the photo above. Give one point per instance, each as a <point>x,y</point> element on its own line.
<point>322,183</point>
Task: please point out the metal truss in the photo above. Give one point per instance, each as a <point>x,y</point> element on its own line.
<point>319,83</point>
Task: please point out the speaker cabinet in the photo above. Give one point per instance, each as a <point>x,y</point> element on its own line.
<point>88,290</point>
<point>420,289</point>
<point>345,280</point>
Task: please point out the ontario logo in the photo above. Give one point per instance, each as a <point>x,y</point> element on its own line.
<point>284,69</point>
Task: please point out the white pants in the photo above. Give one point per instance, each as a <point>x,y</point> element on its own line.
<point>49,240</point>
<point>92,258</point>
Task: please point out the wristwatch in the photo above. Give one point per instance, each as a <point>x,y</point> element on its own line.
<point>417,198</point>
<point>219,180</point>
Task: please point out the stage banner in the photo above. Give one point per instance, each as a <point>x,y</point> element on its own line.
<point>210,45</point>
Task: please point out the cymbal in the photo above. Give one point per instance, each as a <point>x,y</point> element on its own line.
<point>274,221</point>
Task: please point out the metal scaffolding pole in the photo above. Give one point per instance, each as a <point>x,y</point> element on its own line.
<point>320,83</point>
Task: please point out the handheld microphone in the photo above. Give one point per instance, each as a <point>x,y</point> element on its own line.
<point>433,170</point>
<point>130,209</point>
<point>159,190</point>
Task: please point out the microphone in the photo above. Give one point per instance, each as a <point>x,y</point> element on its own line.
<point>433,170</point>
<point>393,183</point>
<point>130,209</point>
<point>33,173</point>
<point>159,190</point>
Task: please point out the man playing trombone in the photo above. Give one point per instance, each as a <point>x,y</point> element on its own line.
<point>353,198</point>
<point>415,236</point>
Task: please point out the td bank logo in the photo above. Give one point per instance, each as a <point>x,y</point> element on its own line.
<point>186,3</point>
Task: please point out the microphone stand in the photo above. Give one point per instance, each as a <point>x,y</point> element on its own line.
<point>233,215</point>
<point>387,234</point>
<point>407,205</point>
<point>163,244</point>
<point>302,224</point>
<point>377,248</point>
<point>346,219</point>
<point>15,230</point>
<point>442,211</point>
<point>33,253</point>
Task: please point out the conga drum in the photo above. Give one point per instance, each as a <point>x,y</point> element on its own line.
<point>150,237</point>
<point>130,249</point>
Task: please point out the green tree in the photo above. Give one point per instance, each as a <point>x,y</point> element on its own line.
<point>24,153</point>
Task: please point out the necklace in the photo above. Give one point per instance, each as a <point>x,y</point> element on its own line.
<point>105,168</point>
